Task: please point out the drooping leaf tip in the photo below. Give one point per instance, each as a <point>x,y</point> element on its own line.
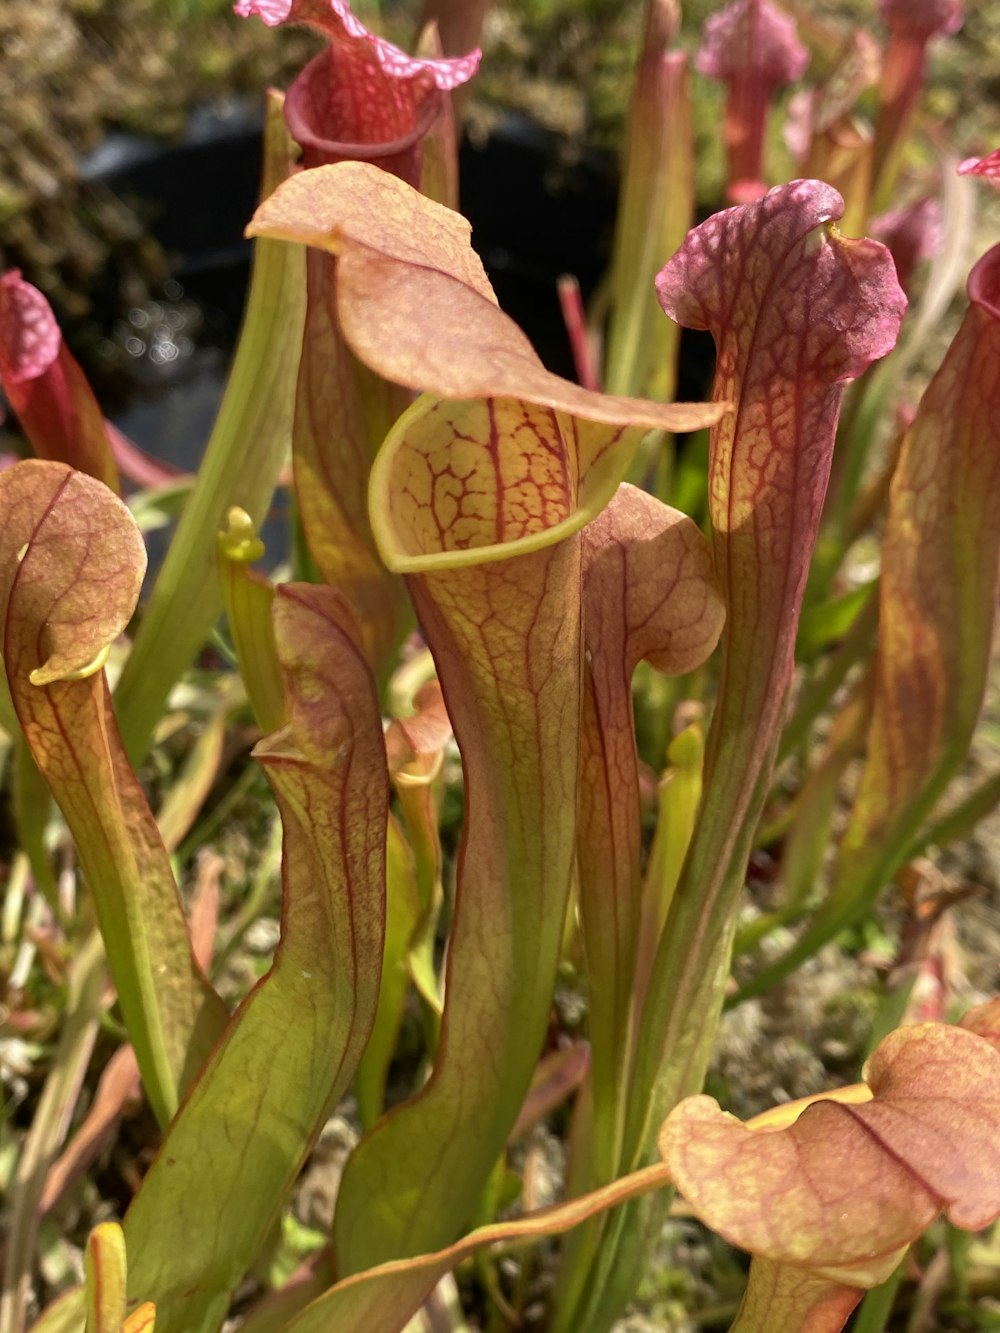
<point>843,293</point>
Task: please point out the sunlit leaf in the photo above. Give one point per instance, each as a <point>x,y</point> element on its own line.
<point>232,1153</point>
<point>795,310</point>
<point>937,605</point>
<point>71,564</point>
<point>649,593</point>
<point>384,1299</point>
<point>845,1186</point>
<point>415,304</point>
<point>472,499</point>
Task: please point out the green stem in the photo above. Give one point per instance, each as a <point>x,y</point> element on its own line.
<point>248,445</point>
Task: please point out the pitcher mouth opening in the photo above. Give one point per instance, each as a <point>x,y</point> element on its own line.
<point>478,495</point>
<point>304,116</point>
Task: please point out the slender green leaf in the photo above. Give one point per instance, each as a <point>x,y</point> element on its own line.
<point>232,1153</point>
<point>249,443</point>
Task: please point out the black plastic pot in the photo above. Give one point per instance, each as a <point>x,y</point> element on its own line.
<point>533,219</point>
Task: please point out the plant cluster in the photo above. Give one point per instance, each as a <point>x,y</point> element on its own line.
<point>492,562</point>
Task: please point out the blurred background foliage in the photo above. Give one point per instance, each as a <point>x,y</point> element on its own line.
<point>71,71</point>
